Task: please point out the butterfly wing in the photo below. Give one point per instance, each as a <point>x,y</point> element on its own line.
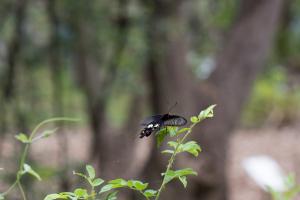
<point>173,120</point>
<point>151,119</point>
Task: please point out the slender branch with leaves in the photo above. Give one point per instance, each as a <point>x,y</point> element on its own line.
<point>25,168</point>
<point>108,190</point>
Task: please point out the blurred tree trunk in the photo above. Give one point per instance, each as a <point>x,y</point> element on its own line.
<point>13,59</point>
<point>14,48</point>
<point>56,67</point>
<point>238,64</point>
<point>97,88</point>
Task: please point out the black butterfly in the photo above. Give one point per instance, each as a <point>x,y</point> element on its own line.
<point>155,123</point>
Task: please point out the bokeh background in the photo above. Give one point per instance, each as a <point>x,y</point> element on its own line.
<point>113,63</point>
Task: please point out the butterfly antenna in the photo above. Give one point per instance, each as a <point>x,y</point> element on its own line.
<point>173,106</point>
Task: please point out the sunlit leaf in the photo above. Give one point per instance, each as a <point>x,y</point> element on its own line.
<point>81,193</point>
<point>23,138</point>
<point>150,193</point>
<point>182,130</point>
<point>96,182</point>
<point>170,175</point>
<point>195,119</point>
<point>91,171</point>
<point>183,180</point>
<point>191,147</point>
<point>168,151</point>
<point>106,188</point>
<point>27,169</point>
<point>207,113</point>
<point>55,196</point>
<point>112,196</point>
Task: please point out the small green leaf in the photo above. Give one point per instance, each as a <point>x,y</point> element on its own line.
<point>81,175</point>
<point>183,180</point>
<point>22,137</point>
<point>81,193</point>
<point>182,130</point>
<point>48,133</point>
<point>173,144</point>
<point>29,170</point>
<point>172,131</point>
<point>118,182</point>
<point>112,196</point>
<point>54,196</point>
<point>160,136</point>
<point>106,188</point>
<point>140,185</point>
<point>91,171</point>
<point>168,151</point>
<point>170,175</point>
<point>191,147</point>
<point>150,193</point>
<point>1,197</point>
<point>195,119</point>
<point>186,171</point>
<point>207,113</point>
<point>96,182</point>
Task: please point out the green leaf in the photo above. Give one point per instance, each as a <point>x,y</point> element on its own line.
<point>150,193</point>
<point>186,171</point>
<point>183,180</point>
<point>63,195</point>
<point>195,119</point>
<point>170,175</point>
<point>182,131</point>
<point>29,170</point>
<point>191,147</point>
<point>168,151</point>
<point>81,193</point>
<point>173,144</point>
<point>207,113</point>
<point>160,136</point>
<point>1,197</point>
<point>172,131</point>
<point>91,171</point>
<point>112,196</point>
<point>81,175</point>
<point>118,182</point>
<point>140,185</point>
<point>54,196</point>
<point>106,188</point>
<point>96,182</point>
<point>48,133</point>
<point>23,138</point>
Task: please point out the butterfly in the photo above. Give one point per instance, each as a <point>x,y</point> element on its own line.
<point>154,123</point>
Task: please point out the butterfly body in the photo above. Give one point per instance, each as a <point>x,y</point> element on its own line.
<point>154,123</point>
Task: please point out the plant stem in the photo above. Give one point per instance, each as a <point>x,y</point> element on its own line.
<point>172,159</point>
<point>22,190</point>
<point>25,152</point>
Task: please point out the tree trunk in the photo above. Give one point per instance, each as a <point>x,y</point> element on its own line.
<point>229,86</point>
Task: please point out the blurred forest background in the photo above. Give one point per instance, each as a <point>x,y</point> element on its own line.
<point>112,63</point>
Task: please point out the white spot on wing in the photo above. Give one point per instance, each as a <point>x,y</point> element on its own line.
<point>150,126</point>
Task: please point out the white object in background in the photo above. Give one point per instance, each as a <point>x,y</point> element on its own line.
<point>265,171</point>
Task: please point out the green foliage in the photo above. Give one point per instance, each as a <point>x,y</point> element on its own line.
<point>28,170</point>
<point>272,98</point>
<point>25,168</point>
<point>108,190</point>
